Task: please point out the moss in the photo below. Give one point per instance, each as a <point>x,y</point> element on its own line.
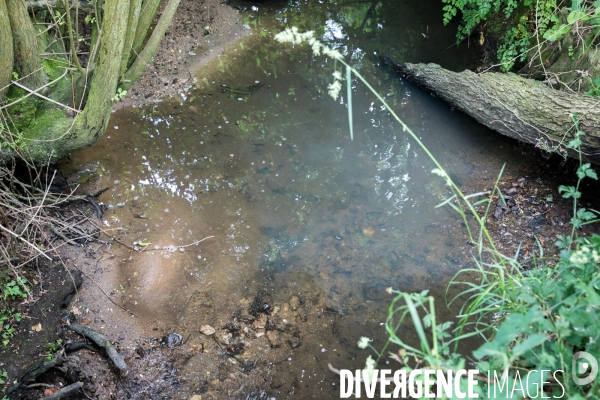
<point>62,91</point>
<point>42,122</point>
<point>22,113</point>
<point>54,67</point>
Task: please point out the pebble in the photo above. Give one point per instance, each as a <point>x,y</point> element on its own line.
<point>294,303</point>
<point>224,337</point>
<point>294,342</point>
<point>274,339</point>
<point>207,330</point>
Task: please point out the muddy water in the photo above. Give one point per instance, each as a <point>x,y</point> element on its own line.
<point>257,157</point>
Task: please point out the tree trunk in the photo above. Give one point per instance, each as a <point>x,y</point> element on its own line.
<point>520,108</point>
<point>147,13</point>
<point>54,134</point>
<point>134,15</point>
<point>6,49</point>
<point>145,56</point>
<point>25,44</point>
<point>50,143</point>
<point>97,109</point>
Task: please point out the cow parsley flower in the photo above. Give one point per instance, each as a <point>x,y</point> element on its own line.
<point>363,343</point>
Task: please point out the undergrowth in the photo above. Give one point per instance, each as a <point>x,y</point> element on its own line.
<point>532,25</point>
<point>542,321</point>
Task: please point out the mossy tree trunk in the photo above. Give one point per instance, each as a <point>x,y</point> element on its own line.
<point>135,7</point>
<point>520,108</point>
<point>6,49</point>
<point>105,79</point>
<point>147,13</point>
<point>68,134</point>
<point>54,133</point>
<point>26,54</point>
<point>145,56</point>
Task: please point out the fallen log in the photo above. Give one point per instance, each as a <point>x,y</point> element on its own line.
<point>520,108</point>
<point>41,5</point>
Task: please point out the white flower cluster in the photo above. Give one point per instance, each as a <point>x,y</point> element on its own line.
<point>363,343</point>
<point>443,174</point>
<point>293,36</point>
<point>369,368</point>
<point>584,255</point>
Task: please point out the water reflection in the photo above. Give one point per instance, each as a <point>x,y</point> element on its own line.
<point>259,157</point>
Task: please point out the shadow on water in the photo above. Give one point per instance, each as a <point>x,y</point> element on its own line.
<point>257,155</point>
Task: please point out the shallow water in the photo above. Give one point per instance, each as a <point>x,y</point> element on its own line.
<point>258,156</point>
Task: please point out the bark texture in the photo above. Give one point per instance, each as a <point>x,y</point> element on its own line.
<point>147,13</point>
<point>520,108</point>
<point>41,5</point>
<point>134,15</point>
<point>6,49</point>
<point>25,45</point>
<point>145,56</point>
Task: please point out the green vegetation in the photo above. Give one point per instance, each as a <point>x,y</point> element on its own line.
<point>11,289</point>
<point>527,319</point>
<point>532,26</point>
<point>52,348</point>
<point>8,320</point>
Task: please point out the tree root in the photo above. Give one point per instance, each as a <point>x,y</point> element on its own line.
<point>64,391</point>
<point>103,342</point>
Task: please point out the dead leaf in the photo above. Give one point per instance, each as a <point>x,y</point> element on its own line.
<point>37,327</point>
<point>75,310</point>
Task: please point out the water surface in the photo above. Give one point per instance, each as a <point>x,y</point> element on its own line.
<point>258,156</point>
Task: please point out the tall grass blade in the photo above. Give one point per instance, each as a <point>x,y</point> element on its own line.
<point>349,91</point>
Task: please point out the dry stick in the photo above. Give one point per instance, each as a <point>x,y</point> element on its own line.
<point>30,93</point>
<point>44,97</point>
<point>60,234</point>
<point>103,342</point>
<point>25,241</point>
<point>197,241</point>
<point>39,207</point>
<point>64,391</point>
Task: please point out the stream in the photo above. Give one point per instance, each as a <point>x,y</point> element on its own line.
<point>257,157</point>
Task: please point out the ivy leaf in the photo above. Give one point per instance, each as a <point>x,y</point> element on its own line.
<point>557,32</point>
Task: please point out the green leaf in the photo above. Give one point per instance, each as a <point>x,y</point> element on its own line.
<point>575,16</point>
<point>528,344</point>
<point>567,191</point>
<point>585,215</point>
<point>590,173</point>
<point>575,143</point>
<point>557,32</point>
